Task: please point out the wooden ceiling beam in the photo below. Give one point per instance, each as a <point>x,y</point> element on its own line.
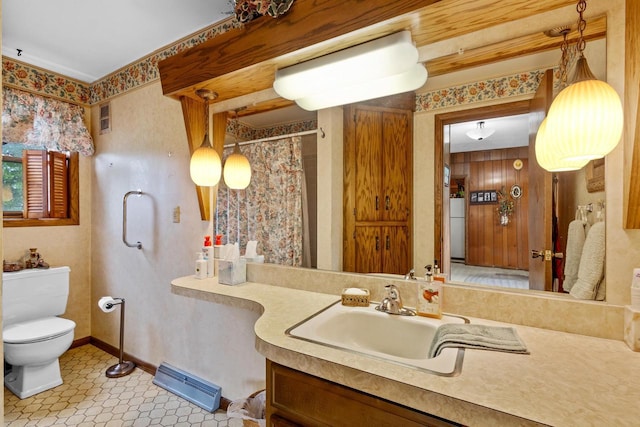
<point>508,49</point>
<point>244,60</point>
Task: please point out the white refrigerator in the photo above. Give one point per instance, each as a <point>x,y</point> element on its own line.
<point>456,217</point>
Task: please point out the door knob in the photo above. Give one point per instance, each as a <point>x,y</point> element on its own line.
<point>546,255</point>
<point>537,254</point>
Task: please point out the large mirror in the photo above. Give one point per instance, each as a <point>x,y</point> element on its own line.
<point>478,245</point>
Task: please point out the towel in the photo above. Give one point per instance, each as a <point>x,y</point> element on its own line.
<point>575,243</point>
<point>591,270</point>
<point>481,337</point>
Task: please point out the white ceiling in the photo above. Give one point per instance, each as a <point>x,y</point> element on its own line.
<point>512,131</point>
<point>89,39</point>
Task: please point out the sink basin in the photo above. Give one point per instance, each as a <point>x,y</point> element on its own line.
<point>398,339</point>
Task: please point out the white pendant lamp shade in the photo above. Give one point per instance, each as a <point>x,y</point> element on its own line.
<point>585,119</point>
<point>548,158</point>
<point>205,166</point>
<point>480,132</point>
<point>381,67</point>
<point>237,170</point>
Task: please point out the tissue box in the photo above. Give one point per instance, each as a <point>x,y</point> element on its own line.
<point>232,272</point>
<point>258,258</point>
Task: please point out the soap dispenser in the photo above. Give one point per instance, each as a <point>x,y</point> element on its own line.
<point>437,274</point>
<point>201,267</point>
<point>429,296</point>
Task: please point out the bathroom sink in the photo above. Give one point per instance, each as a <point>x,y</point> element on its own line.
<point>403,340</point>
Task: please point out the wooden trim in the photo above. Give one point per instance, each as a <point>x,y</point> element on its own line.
<point>631,105</point>
<point>74,203</point>
<point>194,122</point>
<point>58,185</point>
<point>500,110</point>
<point>114,351</point>
<point>243,60</point>
<point>512,48</point>
<point>144,366</point>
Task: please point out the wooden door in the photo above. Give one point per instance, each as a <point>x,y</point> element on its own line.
<point>395,247</point>
<point>368,160</point>
<point>368,257</point>
<point>396,149</point>
<point>378,178</point>
<point>540,190</point>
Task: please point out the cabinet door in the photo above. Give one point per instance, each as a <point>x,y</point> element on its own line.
<point>368,158</point>
<point>395,254</point>
<point>369,250</point>
<point>396,170</point>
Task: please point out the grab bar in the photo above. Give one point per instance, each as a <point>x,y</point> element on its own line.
<point>124,219</point>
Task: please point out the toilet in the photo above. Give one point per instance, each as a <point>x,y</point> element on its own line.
<point>34,336</point>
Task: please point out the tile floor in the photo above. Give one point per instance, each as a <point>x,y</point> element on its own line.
<point>488,276</point>
<point>89,398</point>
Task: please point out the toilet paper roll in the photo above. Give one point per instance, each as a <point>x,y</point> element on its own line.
<point>107,304</point>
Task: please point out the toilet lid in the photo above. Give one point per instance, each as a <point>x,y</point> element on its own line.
<point>37,330</point>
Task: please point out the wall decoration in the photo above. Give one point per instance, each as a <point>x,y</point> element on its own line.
<point>247,10</point>
<point>516,191</point>
<point>485,197</point>
<point>506,207</point>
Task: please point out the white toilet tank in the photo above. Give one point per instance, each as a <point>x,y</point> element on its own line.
<point>34,293</point>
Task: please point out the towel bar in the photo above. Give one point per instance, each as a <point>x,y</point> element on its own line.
<point>124,219</point>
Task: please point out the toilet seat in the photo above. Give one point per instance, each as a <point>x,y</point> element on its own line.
<point>37,330</point>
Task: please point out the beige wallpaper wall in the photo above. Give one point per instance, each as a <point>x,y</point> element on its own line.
<point>147,150</point>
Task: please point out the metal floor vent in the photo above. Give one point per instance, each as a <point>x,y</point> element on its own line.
<point>196,390</point>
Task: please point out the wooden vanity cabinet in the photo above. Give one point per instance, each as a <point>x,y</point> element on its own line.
<point>378,186</point>
<point>298,399</point>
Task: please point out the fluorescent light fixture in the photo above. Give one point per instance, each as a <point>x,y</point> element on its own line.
<point>381,67</point>
<point>480,132</point>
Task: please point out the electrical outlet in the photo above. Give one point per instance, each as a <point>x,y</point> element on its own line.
<point>176,214</point>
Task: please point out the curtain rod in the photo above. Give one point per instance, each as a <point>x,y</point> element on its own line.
<point>273,138</point>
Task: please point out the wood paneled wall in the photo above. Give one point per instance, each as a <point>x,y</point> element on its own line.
<point>489,243</point>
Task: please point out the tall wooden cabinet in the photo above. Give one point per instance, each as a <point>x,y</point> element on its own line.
<point>378,171</point>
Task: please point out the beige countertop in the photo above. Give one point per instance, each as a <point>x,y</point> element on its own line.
<point>566,380</point>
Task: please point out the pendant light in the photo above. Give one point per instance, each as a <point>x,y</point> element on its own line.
<point>585,119</point>
<point>205,166</point>
<point>546,156</point>
<point>480,132</point>
<point>237,169</point>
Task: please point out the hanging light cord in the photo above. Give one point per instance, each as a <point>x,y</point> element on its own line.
<point>565,57</point>
<point>582,24</point>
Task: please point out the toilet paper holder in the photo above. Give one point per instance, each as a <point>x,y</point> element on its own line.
<point>122,368</point>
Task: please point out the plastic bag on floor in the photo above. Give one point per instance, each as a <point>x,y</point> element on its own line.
<point>251,410</point>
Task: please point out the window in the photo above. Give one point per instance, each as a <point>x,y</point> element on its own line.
<point>39,187</point>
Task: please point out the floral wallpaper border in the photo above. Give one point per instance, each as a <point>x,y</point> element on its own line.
<point>24,76</point>
<point>146,70</point>
<point>34,79</point>
<point>27,77</point>
<point>503,87</point>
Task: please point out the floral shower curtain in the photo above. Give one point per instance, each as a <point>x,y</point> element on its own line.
<point>270,209</point>
<point>39,121</point>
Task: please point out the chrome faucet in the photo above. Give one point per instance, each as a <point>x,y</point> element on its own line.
<point>392,303</point>
<point>411,275</point>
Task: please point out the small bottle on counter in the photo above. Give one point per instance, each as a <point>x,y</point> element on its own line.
<point>207,254</point>
<point>429,296</point>
<point>437,275</point>
<point>201,267</point>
